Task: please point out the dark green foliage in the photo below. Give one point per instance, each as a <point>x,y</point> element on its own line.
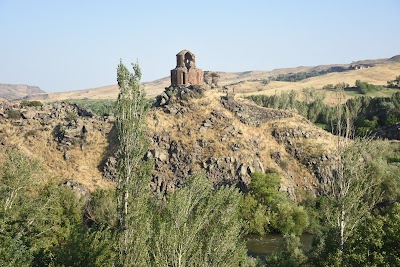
<point>295,77</point>
<point>290,218</point>
<point>373,113</point>
<point>394,83</point>
<point>391,238</point>
<point>34,103</point>
<point>256,216</point>
<point>389,169</point>
<point>369,114</point>
<point>103,107</point>
<point>102,208</point>
<point>364,87</point>
<point>266,208</point>
<point>373,186</point>
<point>13,114</point>
<point>265,187</point>
<point>86,247</point>
<point>13,252</point>
<point>42,224</point>
<point>199,226</point>
<point>374,243</point>
<point>291,256</point>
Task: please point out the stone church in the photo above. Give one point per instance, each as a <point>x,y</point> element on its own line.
<point>186,72</point>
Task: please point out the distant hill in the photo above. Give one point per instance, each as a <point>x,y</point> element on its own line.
<point>17,91</point>
<point>375,71</point>
<point>152,89</point>
<point>395,58</point>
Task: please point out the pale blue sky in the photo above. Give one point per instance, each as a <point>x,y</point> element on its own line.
<point>70,45</point>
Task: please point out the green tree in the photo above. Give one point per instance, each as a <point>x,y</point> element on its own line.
<point>102,208</point>
<point>256,216</point>
<point>16,178</point>
<point>375,241</point>
<point>292,254</point>
<point>133,172</point>
<point>86,247</point>
<point>265,187</point>
<point>276,210</point>
<point>199,226</point>
<point>351,188</point>
<point>33,238</point>
<point>13,251</point>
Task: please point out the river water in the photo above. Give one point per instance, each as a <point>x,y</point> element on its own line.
<point>263,245</point>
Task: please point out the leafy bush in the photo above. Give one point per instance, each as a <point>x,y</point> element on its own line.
<point>13,114</point>
<point>71,116</point>
<point>86,247</point>
<point>256,215</point>
<point>34,103</point>
<point>41,224</point>
<point>266,208</point>
<point>291,256</point>
<point>394,83</point>
<point>102,107</point>
<point>364,87</point>
<point>102,208</point>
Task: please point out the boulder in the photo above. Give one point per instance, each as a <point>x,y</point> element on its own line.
<point>29,114</point>
<point>79,189</point>
<point>110,169</point>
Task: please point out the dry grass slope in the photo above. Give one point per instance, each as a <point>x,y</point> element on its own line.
<point>247,83</point>
<point>38,143</point>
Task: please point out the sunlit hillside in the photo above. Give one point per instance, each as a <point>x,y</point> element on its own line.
<point>253,82</point>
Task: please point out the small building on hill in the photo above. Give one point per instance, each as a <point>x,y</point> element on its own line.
<point>186,72</point>
<point>361,66</point>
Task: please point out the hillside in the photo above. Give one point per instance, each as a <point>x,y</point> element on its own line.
<point>231,138</point>
<point>34,131</point>
<point>17,91</point>
<point>191,130</point>
<point>378,75</point>
<point>379,71</point>
<point>105,92</point>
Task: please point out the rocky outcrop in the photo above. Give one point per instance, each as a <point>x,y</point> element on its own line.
<point>211,78</point>
<point>251,114</point>
<point>110,169</point>
<point>66,121</point>
<point>177,94</point>
<point>79,189</point>
<point>175,161</point>
<point>197,138</point>
<point>70,142</point>
<point>304,146</point>
<point>190,130</point>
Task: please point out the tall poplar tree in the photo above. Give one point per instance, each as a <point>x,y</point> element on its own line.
<point>351,188</point>
<point>133,172</point>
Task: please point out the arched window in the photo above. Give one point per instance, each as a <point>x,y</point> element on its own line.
<point>188,60</point>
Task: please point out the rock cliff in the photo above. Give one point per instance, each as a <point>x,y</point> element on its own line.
<point>190,129</point>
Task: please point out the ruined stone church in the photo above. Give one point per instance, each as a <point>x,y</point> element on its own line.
<point>186,72</point>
